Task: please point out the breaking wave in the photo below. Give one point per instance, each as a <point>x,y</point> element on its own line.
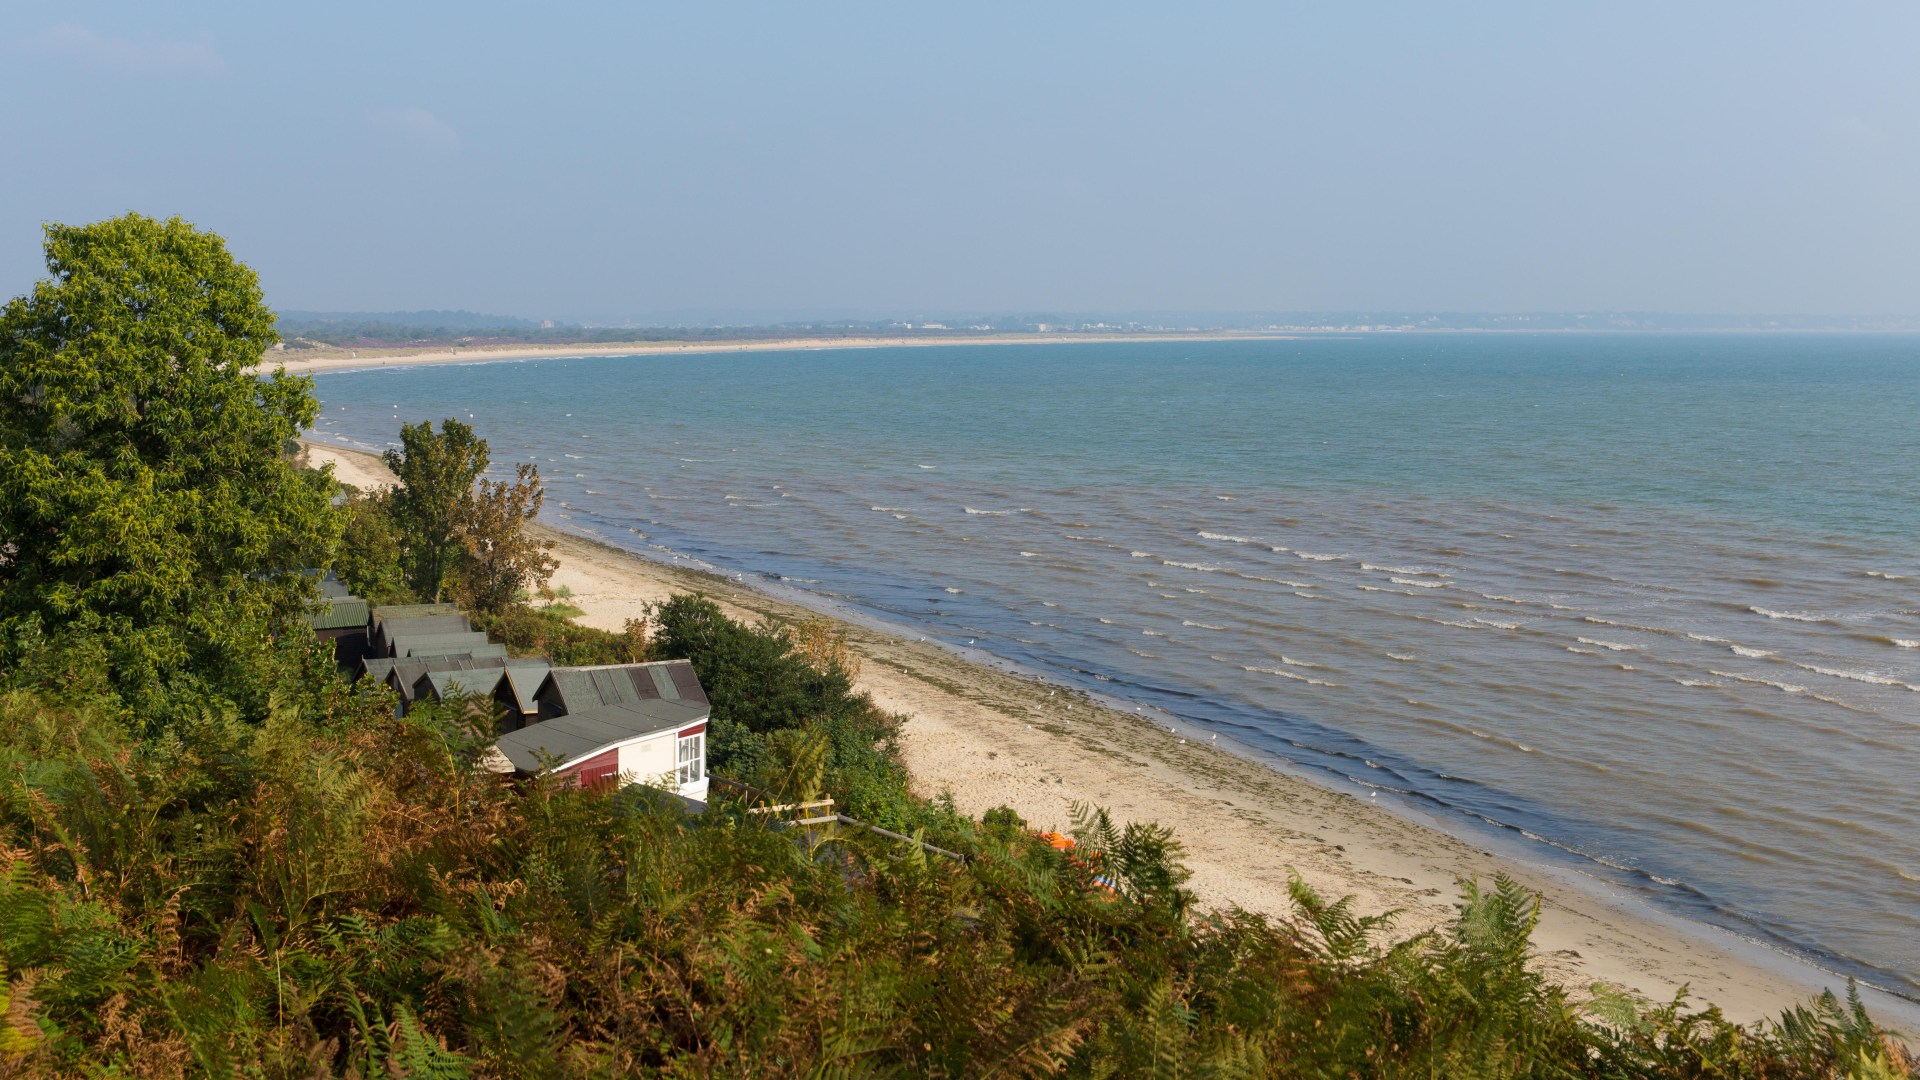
<point>1794,616</point>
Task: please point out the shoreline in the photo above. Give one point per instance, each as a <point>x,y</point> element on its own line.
<point>994,736</point>
<point>315,361</point>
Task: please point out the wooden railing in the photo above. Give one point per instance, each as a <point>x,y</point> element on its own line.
<point>813,813</point>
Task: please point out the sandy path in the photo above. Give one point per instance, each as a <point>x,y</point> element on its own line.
<point>992,738</point>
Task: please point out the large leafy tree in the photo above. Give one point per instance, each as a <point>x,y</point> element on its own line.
<point>149,518</point>
<point>499,558</point>
<point>437,471</point>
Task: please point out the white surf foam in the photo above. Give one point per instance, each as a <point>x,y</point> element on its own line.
<point>1405,570</point>
<point>1742,650</point>
<point>1775,683</point>
<point>1290,675</point>
<point>1795,616</point>
<point>1859,676</point>
<point>1615,646</point>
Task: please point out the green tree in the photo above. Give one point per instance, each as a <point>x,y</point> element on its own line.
<point>498,557</point>
<point>437,471</point>
<point>148,516</point>
<point>369,558</point>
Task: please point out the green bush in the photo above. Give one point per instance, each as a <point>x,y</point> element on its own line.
<point>542,631</point>
<point>760,684</point>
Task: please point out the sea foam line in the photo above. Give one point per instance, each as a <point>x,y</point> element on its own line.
<point>1613,645</point>
<point>1290,675</point>
<point>1795,616</point>
<point>1859,676</point>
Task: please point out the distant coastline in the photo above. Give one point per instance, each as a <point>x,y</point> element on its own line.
<point>310,361</point>
<point>307,361</point>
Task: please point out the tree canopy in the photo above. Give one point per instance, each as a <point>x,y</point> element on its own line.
<point>437,471</point>
<point>499,558</point>
<point>149,518</point>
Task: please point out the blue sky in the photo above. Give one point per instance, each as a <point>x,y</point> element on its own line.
<point>629,161</point>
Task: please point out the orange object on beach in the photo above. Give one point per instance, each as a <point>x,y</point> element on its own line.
<point>1054,839</point>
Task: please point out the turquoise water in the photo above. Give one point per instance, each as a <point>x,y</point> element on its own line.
<point>1652,602</point>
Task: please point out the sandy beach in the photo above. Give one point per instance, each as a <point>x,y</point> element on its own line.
<point>311,361</point>
<point>992,737</point>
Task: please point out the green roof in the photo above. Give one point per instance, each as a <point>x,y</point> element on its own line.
<point>338,613</point>
<point>410,644</point>
<point>445,684</point>
<point>577,689</point>
<point>492,651</point>
<point>566,739</point>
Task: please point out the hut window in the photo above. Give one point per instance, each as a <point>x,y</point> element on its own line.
<point>693,758</point>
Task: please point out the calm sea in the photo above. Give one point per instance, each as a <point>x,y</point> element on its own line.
<point>1650,601</point>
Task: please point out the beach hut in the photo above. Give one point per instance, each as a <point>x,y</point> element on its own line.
<point>515,693</point>
<point>404,678</point>
<point>415,619</point>
<point>340,617</point>
<point>657,741</point>
<point>509,689</point>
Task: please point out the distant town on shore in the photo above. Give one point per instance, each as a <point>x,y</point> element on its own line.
<point>376,329</point>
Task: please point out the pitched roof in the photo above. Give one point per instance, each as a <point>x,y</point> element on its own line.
<point>405,674</point>
<point>338,608</point>
<point>523,681</point>
<point>576,689</point>
<point>567,739</point>
<point>486,681</point>
<point>493,650</point>
<point>385,630</point>
<point>406,644</point>
<point>441,685</point>
<point>338,613</point>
